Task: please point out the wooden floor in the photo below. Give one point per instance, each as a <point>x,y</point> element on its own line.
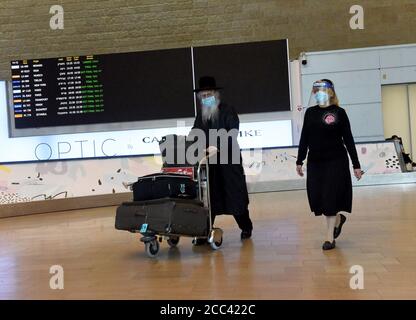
<point>284,259</point>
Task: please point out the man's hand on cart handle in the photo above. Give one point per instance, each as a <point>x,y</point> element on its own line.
<point>211,150</point>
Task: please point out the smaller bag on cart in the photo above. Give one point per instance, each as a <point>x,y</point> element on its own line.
<point>162,185</point>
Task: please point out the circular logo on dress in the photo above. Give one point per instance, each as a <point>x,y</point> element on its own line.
<point>330,118</point>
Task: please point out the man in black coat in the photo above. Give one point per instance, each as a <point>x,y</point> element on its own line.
<point>228,188</point>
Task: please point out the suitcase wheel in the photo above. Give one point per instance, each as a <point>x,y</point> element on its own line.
<point>173,241</point>
<point>152,248</point>
<point>215,245</point>
<point>215,239</point>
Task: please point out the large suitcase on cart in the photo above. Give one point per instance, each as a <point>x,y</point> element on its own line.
<point>161,185</point>
<point>164,217</point>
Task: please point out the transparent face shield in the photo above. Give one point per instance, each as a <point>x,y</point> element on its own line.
<point>322,94</point>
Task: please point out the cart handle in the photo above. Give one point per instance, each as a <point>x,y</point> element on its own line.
<point>128,185</point>
<point>204,160</point>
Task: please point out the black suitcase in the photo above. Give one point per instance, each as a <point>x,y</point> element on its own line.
<point>162,185</point>
<point>164,216</point>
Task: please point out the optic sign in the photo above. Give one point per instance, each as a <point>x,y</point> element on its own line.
<point>121,143</point>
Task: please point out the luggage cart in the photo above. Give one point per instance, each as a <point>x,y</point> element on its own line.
<point>214,236</point>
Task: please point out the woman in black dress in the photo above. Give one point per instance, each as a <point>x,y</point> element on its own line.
<point>325,134</point>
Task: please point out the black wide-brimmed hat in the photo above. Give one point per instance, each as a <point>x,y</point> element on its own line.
<point>207,83</point>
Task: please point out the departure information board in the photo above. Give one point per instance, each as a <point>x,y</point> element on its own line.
<point>147,85</point>
<point>102,88</point>
<point>74,88</point>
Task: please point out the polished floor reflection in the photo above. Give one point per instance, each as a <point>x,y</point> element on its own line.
<point>283,260</point>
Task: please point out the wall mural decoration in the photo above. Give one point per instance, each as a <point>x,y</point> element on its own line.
<point>65,179</point>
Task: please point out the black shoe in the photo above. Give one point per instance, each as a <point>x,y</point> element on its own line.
<point>328,245</point>
<point>245,234</point>
<point>337,230</point>
<point>199,241</point>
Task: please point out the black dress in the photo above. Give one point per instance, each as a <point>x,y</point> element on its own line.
<point>325,134</point>
<point>228,188</point>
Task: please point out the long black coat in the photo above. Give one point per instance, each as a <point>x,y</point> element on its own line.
<point>228,188</point>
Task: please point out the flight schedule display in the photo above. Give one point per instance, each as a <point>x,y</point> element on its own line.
<point>106,88</point>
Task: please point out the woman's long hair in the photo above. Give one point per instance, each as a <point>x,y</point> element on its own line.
<point>333,100</point>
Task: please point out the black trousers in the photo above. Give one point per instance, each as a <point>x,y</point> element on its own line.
<point>243,220</point>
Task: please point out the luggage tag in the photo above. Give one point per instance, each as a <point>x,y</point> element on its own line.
<point>143,228</point>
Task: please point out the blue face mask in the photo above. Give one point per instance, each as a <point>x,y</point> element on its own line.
<point>209,102</point>
<point>321,97</point>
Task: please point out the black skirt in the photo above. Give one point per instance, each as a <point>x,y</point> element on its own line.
<point>329,186</point>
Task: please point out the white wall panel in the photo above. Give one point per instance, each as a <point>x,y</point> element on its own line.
<point>354,87</point>
<point>398,75</point>
<point>398,57</point>
<point>338,61</point>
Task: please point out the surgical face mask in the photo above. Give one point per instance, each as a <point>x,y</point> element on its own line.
<point>321,97</point>
<point>209,102</point>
